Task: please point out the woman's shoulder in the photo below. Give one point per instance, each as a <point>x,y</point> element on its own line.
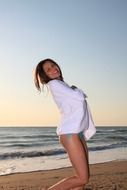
<point>57,86</point>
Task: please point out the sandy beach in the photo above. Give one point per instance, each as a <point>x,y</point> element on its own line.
<point>104,176</point>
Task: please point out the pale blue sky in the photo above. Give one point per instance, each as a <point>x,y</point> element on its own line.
<point>88,39</point>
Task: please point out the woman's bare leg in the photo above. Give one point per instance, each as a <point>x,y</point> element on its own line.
<point>78,158</point>
<point>86,149</point>
<point>87,153</point>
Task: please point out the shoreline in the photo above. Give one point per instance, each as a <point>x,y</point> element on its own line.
<point>63,167</point>
<point>110,175</point>
<point>25,165</point>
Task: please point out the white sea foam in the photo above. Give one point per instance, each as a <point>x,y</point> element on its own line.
<point>60,161</point>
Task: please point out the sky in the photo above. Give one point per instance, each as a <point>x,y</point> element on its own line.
<point>87,38</point>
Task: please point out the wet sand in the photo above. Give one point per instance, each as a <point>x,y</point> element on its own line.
<point>104,176</point>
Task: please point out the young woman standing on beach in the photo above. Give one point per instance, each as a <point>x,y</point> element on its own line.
<point>76,124</point>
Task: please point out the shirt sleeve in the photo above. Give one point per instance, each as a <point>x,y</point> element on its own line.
<point>60,88</point>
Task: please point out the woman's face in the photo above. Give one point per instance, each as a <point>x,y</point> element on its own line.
<point>51,70</point>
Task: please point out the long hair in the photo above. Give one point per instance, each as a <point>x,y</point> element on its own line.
<point>40,76</point>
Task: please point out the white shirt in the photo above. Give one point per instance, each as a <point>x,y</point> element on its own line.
<point>74,109</point>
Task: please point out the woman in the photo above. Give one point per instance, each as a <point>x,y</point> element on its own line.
<point>76,124</point>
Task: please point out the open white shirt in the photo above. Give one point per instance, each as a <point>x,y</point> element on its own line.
<point>74,109</point>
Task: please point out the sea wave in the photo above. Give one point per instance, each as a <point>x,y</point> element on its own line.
<point>31,154</point>
<point>27,136</point>
<point>54,152</point>
<point>110,146</point>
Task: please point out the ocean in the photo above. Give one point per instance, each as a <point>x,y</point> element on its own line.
<point>24,149</point>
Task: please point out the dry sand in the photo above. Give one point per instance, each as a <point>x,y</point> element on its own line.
<point>106,176</point>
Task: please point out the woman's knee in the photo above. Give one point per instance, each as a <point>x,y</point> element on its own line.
<point>84,180</point>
